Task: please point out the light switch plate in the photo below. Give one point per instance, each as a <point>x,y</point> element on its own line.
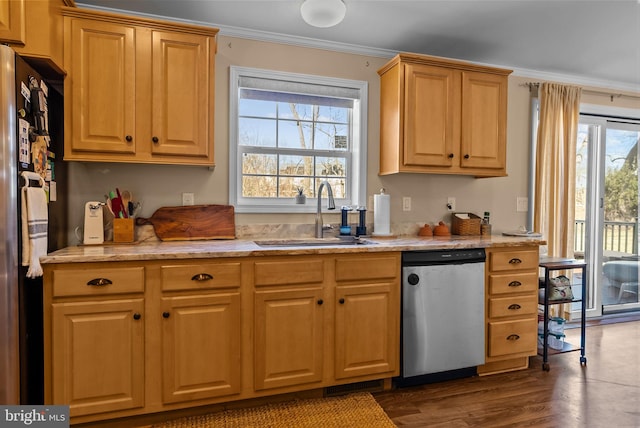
<point>188,199</point>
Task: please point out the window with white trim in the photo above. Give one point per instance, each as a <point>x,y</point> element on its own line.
<point>288,133</point>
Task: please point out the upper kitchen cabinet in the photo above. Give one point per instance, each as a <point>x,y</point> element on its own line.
<point>138,90</point>
<point>442,116</point>
<point>38,38</point>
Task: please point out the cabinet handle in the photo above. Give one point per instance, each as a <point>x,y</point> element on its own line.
<point>320,301</point>
<point>137,316</point>
<point>155,139</point>
<point>166,315</point>
<point>515,284</point>
<point>341,301</point>
<point>515,261</point>
<point>466,156</point>
<point>515,306</point>
<point>450,155</point>
<point>99,282</point>
<point>513,337</point>
<point>129,138</point>
<point>201,277</point>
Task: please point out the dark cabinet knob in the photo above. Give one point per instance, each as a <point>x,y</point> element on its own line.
<point>515,284</point>
<point>515,261</point>
<point>466,156</point>
<point>450,155</point>
<point>514,307</point>
<point>129,138</point>
<point>166,315</point>
<point>155,139</point>
<point>320,301</point>
<point>513,337</point>
<point>341,301</point>
<point>413,279</point>
<point>137,316</point>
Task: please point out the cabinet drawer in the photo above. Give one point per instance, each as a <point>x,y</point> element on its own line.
<point>513,306</point>
<point>292,271</point>
<point>513,260</point>
<point>513,337</point>
<point>200,276</point>
<point>98,281</point>
<point>513,283</point>
<point>363,268</point>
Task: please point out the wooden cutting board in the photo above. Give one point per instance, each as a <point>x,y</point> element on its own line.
<point>190,223</point>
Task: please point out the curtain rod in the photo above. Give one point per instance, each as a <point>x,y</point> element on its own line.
<point>587,91</point>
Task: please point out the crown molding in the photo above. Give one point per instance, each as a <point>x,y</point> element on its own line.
<point>266,36</point>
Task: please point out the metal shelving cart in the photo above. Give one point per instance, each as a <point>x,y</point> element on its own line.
<point>549,265</point>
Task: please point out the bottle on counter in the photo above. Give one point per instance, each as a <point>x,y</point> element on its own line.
<point>485,225</point>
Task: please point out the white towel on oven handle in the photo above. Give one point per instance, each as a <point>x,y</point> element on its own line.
<point>35,220</point>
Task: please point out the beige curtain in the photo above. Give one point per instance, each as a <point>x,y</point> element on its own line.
<point>554,214</point>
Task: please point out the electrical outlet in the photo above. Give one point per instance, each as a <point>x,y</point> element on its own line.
<point>188,199</point>
<point>451,204</point>
<point>406,203</point>
<point>522,204</point>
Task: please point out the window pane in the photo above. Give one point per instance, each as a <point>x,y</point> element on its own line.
<point>295,111</point>
<point>289,134</point>
<point>333,114</point>
<point>259,164</point>
<point>256,108</point>
<point>296,165</point>
<point>289,186</point>
<point>257,132</point>
<point>259,187</point>
<point>337,186</point>
<point>330,166</point>
<point>331,137</point>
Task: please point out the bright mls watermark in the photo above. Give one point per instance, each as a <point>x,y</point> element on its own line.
<point>34,416</point>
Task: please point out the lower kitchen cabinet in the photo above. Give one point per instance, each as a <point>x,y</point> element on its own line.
<point>511,284</point>
<point>200,346</point>
<point>96,345</point>
<point>367,316</point>
<point>289,334</point>
<point>127,339</point>
<point>289,322</point>
<point>201,330</point>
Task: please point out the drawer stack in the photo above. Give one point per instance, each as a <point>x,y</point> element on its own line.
<point>511,298</point>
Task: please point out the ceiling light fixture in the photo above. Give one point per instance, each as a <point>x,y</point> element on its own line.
<point>323,13</point>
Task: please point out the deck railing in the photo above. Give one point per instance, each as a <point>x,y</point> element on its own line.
<point>617,236</point>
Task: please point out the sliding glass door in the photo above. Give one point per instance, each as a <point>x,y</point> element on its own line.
<point>606,211</point>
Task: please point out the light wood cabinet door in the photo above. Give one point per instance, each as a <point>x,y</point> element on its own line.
<point>98,358</point>
<point>182,111</point>
<point>289,331</point>
<point>432,99</point>
<point>201,352</point>
<point>12,21</point>
<point>101,61</point>
<point>483,139</point>
<point>442,116</point>
<point>367,330</point>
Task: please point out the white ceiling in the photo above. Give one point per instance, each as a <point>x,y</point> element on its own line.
<point>592,42</point>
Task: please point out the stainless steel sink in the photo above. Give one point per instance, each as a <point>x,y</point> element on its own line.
<point>312,242</point>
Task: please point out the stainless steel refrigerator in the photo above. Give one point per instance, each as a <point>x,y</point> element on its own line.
<point>31,95</point>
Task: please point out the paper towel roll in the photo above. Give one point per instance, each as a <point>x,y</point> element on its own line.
<point>381,215</point>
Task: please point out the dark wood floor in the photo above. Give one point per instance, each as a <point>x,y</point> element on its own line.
<point>604,393</point>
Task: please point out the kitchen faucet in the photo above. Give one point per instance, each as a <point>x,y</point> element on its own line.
<point>331,205</point>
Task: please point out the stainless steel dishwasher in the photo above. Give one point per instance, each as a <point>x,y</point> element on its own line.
<point>443,333</point>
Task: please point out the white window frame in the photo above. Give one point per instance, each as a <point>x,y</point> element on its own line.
<point>357,168</point>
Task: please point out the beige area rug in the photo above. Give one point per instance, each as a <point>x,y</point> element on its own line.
<point>358,410</point>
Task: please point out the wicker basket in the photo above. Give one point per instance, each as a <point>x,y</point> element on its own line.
<point>463,226</point>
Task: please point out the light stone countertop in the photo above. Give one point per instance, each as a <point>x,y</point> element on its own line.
<point>172,250</point>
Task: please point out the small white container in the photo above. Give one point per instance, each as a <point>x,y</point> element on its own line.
<point>556,325</point>
<point>554,341</point>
